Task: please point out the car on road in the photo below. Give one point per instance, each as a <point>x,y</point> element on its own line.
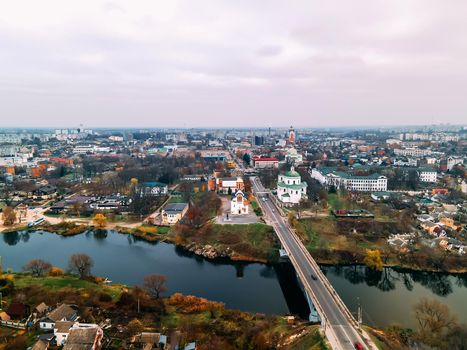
<point>264,199</point>
<point>358,346</point>
<point>313,277</point>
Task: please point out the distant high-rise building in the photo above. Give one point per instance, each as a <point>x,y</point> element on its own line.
<point>259,140</point>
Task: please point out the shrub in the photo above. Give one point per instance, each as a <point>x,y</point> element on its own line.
<point>105,298</point>
<point>55,271</point>
<point>149,230</point>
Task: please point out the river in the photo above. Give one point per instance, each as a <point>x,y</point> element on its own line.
<point>385,297</point>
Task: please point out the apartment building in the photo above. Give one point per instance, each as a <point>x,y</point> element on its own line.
<point>359,183</point>
<point>427,174</point>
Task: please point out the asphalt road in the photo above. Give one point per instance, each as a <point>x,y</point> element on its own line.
<point>337,324</point>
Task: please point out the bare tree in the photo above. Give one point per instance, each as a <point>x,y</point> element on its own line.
<point>81,264</point>
<point>434,320</point>
<point>37,267</point>
<point>77,208</point>
<point>155,284</point>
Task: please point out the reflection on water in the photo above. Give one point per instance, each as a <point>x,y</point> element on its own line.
<point>390,294</point>
<point>387,280</point>
<point>127,259</point>
<point>386,296</point>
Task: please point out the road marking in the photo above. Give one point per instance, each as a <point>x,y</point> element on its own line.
<point>322,294</point>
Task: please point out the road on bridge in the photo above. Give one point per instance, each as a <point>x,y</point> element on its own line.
<point>341,329</point>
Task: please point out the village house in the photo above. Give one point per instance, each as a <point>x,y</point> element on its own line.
<point>173,213</point>
<point>41,309</point>
<point>431,228</point>
<point>448,222</point>
<point>82,337</point>
<point>62,330</point>
<point>43,342</point>
<point>46,192</point>
<point>63,312</point>
<point>239,203</point>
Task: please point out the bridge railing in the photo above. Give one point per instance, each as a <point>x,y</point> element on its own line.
<point>331,336</point>
<point>325,282</point>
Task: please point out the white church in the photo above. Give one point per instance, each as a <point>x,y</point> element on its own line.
<point>290,188</point>
<point>239,203</point>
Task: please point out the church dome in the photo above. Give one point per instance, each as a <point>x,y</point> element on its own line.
<point>292,173</point>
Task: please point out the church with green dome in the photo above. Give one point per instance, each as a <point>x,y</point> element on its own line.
<point>290,187</point>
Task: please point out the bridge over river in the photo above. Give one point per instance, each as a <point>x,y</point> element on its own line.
<point>339,325</point>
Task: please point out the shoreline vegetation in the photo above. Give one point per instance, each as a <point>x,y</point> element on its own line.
<point>122,304</point>
<point>253,243</point>
<point>168,312</point>
<point>126,306</point>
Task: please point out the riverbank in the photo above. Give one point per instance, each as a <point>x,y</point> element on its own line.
<point>244,243</point>
<point>249,243</point>
<point>131,310</point>
<point>206,322</point>
<point>345,242</point>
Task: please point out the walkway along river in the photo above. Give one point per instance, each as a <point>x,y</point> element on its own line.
<point>386,297</point>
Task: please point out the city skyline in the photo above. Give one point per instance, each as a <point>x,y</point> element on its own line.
<point>221,64</point>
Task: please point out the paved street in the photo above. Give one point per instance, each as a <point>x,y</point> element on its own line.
<point>341,332</point>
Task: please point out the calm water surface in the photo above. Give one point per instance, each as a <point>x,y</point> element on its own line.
<point>386,297</point>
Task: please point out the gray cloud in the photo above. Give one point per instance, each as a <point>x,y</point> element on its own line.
<point>243,63</point>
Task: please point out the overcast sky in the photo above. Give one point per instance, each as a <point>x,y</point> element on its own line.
<point>232,63</point>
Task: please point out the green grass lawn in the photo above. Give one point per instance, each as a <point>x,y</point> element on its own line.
<point>254,204</point>
<point>305,229</point>
<point>163,230</point>
<point>56,283</point>
<point>256,207</point>
<point>338,202</point>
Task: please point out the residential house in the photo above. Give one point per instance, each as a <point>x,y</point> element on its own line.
<point>62,330</point>
<point>41,309</point>
<point>43,342</point>
<point>448,222</point>
<point>431,228</point>
<point>63,312</point>
<point>46,192</point>
<point>84,338</point>
<point>173,213</point>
